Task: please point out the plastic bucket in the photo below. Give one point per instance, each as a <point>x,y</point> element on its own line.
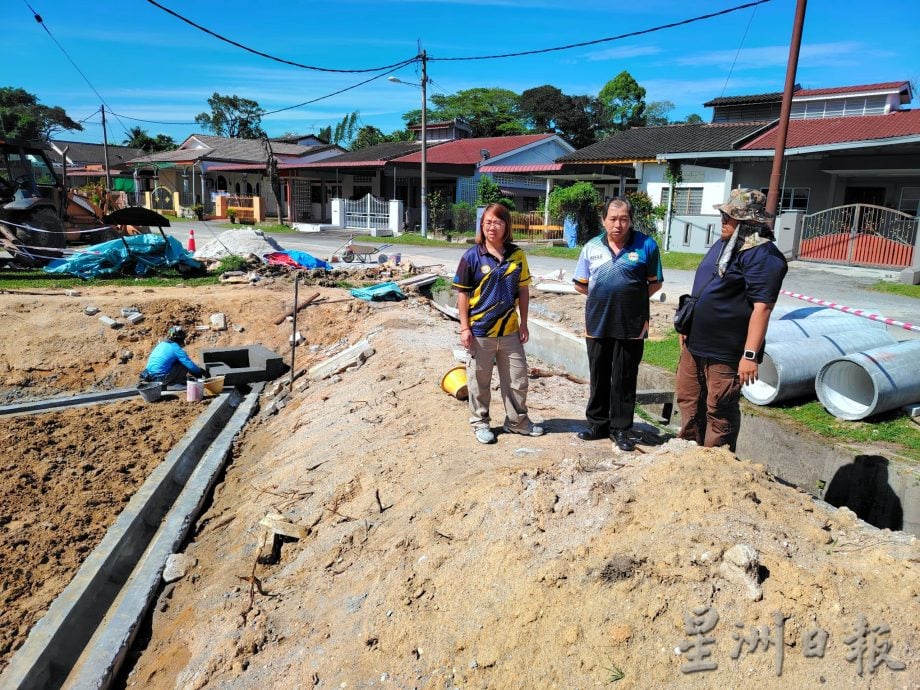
<point>150,391</point>
<point>214,385</point>
<point>454,383</point>
<point>194,390</point>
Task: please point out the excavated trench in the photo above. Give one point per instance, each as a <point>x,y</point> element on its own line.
<point>94,498</point>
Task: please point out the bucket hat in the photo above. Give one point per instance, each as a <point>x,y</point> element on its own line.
<point>746,204</point>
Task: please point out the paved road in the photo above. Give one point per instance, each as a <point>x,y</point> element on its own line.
<point>840,284</point>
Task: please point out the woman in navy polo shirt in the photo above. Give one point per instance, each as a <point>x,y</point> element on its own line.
<point>492,284</point>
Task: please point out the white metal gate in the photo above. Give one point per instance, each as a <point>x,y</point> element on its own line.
<point>368,212</point>
<point>860,234</point>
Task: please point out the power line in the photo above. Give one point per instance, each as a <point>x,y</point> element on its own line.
<point>266,55</point>
<point>596,41</point>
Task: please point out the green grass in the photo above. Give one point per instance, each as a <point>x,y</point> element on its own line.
<point>408,238</point>
<point>896,288</point>
<point>34,279</point>
<point>273,228</point>
<point>681,261</point>
<point>663,353</point>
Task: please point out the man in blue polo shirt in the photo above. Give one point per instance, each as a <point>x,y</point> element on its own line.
<point>618,271</point>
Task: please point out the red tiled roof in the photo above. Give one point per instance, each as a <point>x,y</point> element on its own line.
<point>533,168</point>
<point>883,86</point>
<point>838,130</point>
<point>467,151</point>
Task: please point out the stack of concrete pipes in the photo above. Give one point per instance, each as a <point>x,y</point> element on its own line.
<point>856,368</point>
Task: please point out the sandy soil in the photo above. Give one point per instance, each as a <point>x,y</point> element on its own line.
<point>433,561</point>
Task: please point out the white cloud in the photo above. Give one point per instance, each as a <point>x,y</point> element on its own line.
<point>816,54</point>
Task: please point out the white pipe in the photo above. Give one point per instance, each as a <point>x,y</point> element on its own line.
<point>789,368</point>
<point>782,330</point>
<point>867,383</point>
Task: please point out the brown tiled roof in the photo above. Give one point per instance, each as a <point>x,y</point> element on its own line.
<point>754,98</point>
<point>644,143</point>
<point>376,155</point>
<point>838,130</point>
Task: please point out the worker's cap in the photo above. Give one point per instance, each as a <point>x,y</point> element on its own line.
<point>175,333</point>
<point>746,204</point>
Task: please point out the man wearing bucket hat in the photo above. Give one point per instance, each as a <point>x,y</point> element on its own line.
<point>736,285</point>
<point>168,361</point>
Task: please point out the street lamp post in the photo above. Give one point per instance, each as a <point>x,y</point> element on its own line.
<point>424,87</point>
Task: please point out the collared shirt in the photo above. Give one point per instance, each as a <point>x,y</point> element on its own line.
<point>493,286</point>
<point>723,310</point>
<point>617,305</point>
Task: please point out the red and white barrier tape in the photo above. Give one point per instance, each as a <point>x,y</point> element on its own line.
<point>850,310</point>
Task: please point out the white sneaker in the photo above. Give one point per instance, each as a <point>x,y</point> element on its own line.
<point>484,435</point>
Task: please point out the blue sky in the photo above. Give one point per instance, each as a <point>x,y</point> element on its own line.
<point>149,65</point>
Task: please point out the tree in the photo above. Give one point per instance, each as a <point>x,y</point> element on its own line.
<point>346,130</point>
<point>550,110</point>
<point>489,192</point>
<point>646,213</point>
<point>582,202</point>
<point>693,119</point>
<point>139,139</point>
<point>623,101</point>
<point>23,117</point>
<point>656,113</point>
<point>491,112</point>
<point>233,116</point>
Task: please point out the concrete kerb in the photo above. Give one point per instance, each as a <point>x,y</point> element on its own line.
<point>106,651</point>
<point>67,401</point>
<point>57,640</point>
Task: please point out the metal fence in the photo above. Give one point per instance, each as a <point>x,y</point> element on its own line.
<point>860,234</point>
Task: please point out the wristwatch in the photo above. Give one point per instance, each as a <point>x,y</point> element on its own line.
<point>750,354</point>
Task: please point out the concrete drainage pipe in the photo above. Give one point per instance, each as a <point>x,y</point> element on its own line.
<point>788,369</point>
<point>782,330</point>
<point>867,383</point>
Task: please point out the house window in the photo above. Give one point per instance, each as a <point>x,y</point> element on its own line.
<point>688,201</point>
<point>686,234</point>
<point>910,201</point>
<point>792,198</point>
<point>710,232</point>
<point>362,179</point>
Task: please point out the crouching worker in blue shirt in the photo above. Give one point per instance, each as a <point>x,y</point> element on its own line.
<point>168,362</point>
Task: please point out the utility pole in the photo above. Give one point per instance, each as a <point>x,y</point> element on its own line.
<point>105,152</point>
<point>424,189</point>
<point>782,128</point>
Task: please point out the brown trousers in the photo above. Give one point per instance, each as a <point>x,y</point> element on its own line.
<point>708,395</point>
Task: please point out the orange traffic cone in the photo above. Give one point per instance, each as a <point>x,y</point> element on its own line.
<point>191,240</point>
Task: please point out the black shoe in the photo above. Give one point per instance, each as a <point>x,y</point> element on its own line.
<point>592,434</point>
<point>621,438</point>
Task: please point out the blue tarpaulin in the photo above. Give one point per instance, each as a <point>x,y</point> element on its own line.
<point>382,292</point>
<point>299,258</point>
<point>143,254</point>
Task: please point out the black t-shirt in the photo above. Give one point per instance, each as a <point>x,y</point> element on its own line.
<point>722,313</point>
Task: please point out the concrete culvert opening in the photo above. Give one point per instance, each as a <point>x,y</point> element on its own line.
<point>846,390</point>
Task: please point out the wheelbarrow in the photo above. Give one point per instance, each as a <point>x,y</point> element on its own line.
<point>363,252</point>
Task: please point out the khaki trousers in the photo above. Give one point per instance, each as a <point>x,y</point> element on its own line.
<point>507,353</point>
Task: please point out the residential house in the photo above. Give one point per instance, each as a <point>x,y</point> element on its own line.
<point>85,164</point>
<point>846,146</point>
<point>206,169</point>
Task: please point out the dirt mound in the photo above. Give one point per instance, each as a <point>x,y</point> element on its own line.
<point>433,561</point>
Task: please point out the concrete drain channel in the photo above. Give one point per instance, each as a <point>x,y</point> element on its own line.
<point>87,632</point>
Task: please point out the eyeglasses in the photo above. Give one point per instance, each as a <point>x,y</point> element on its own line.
<point>725,217</point>
<point>493,223</point>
